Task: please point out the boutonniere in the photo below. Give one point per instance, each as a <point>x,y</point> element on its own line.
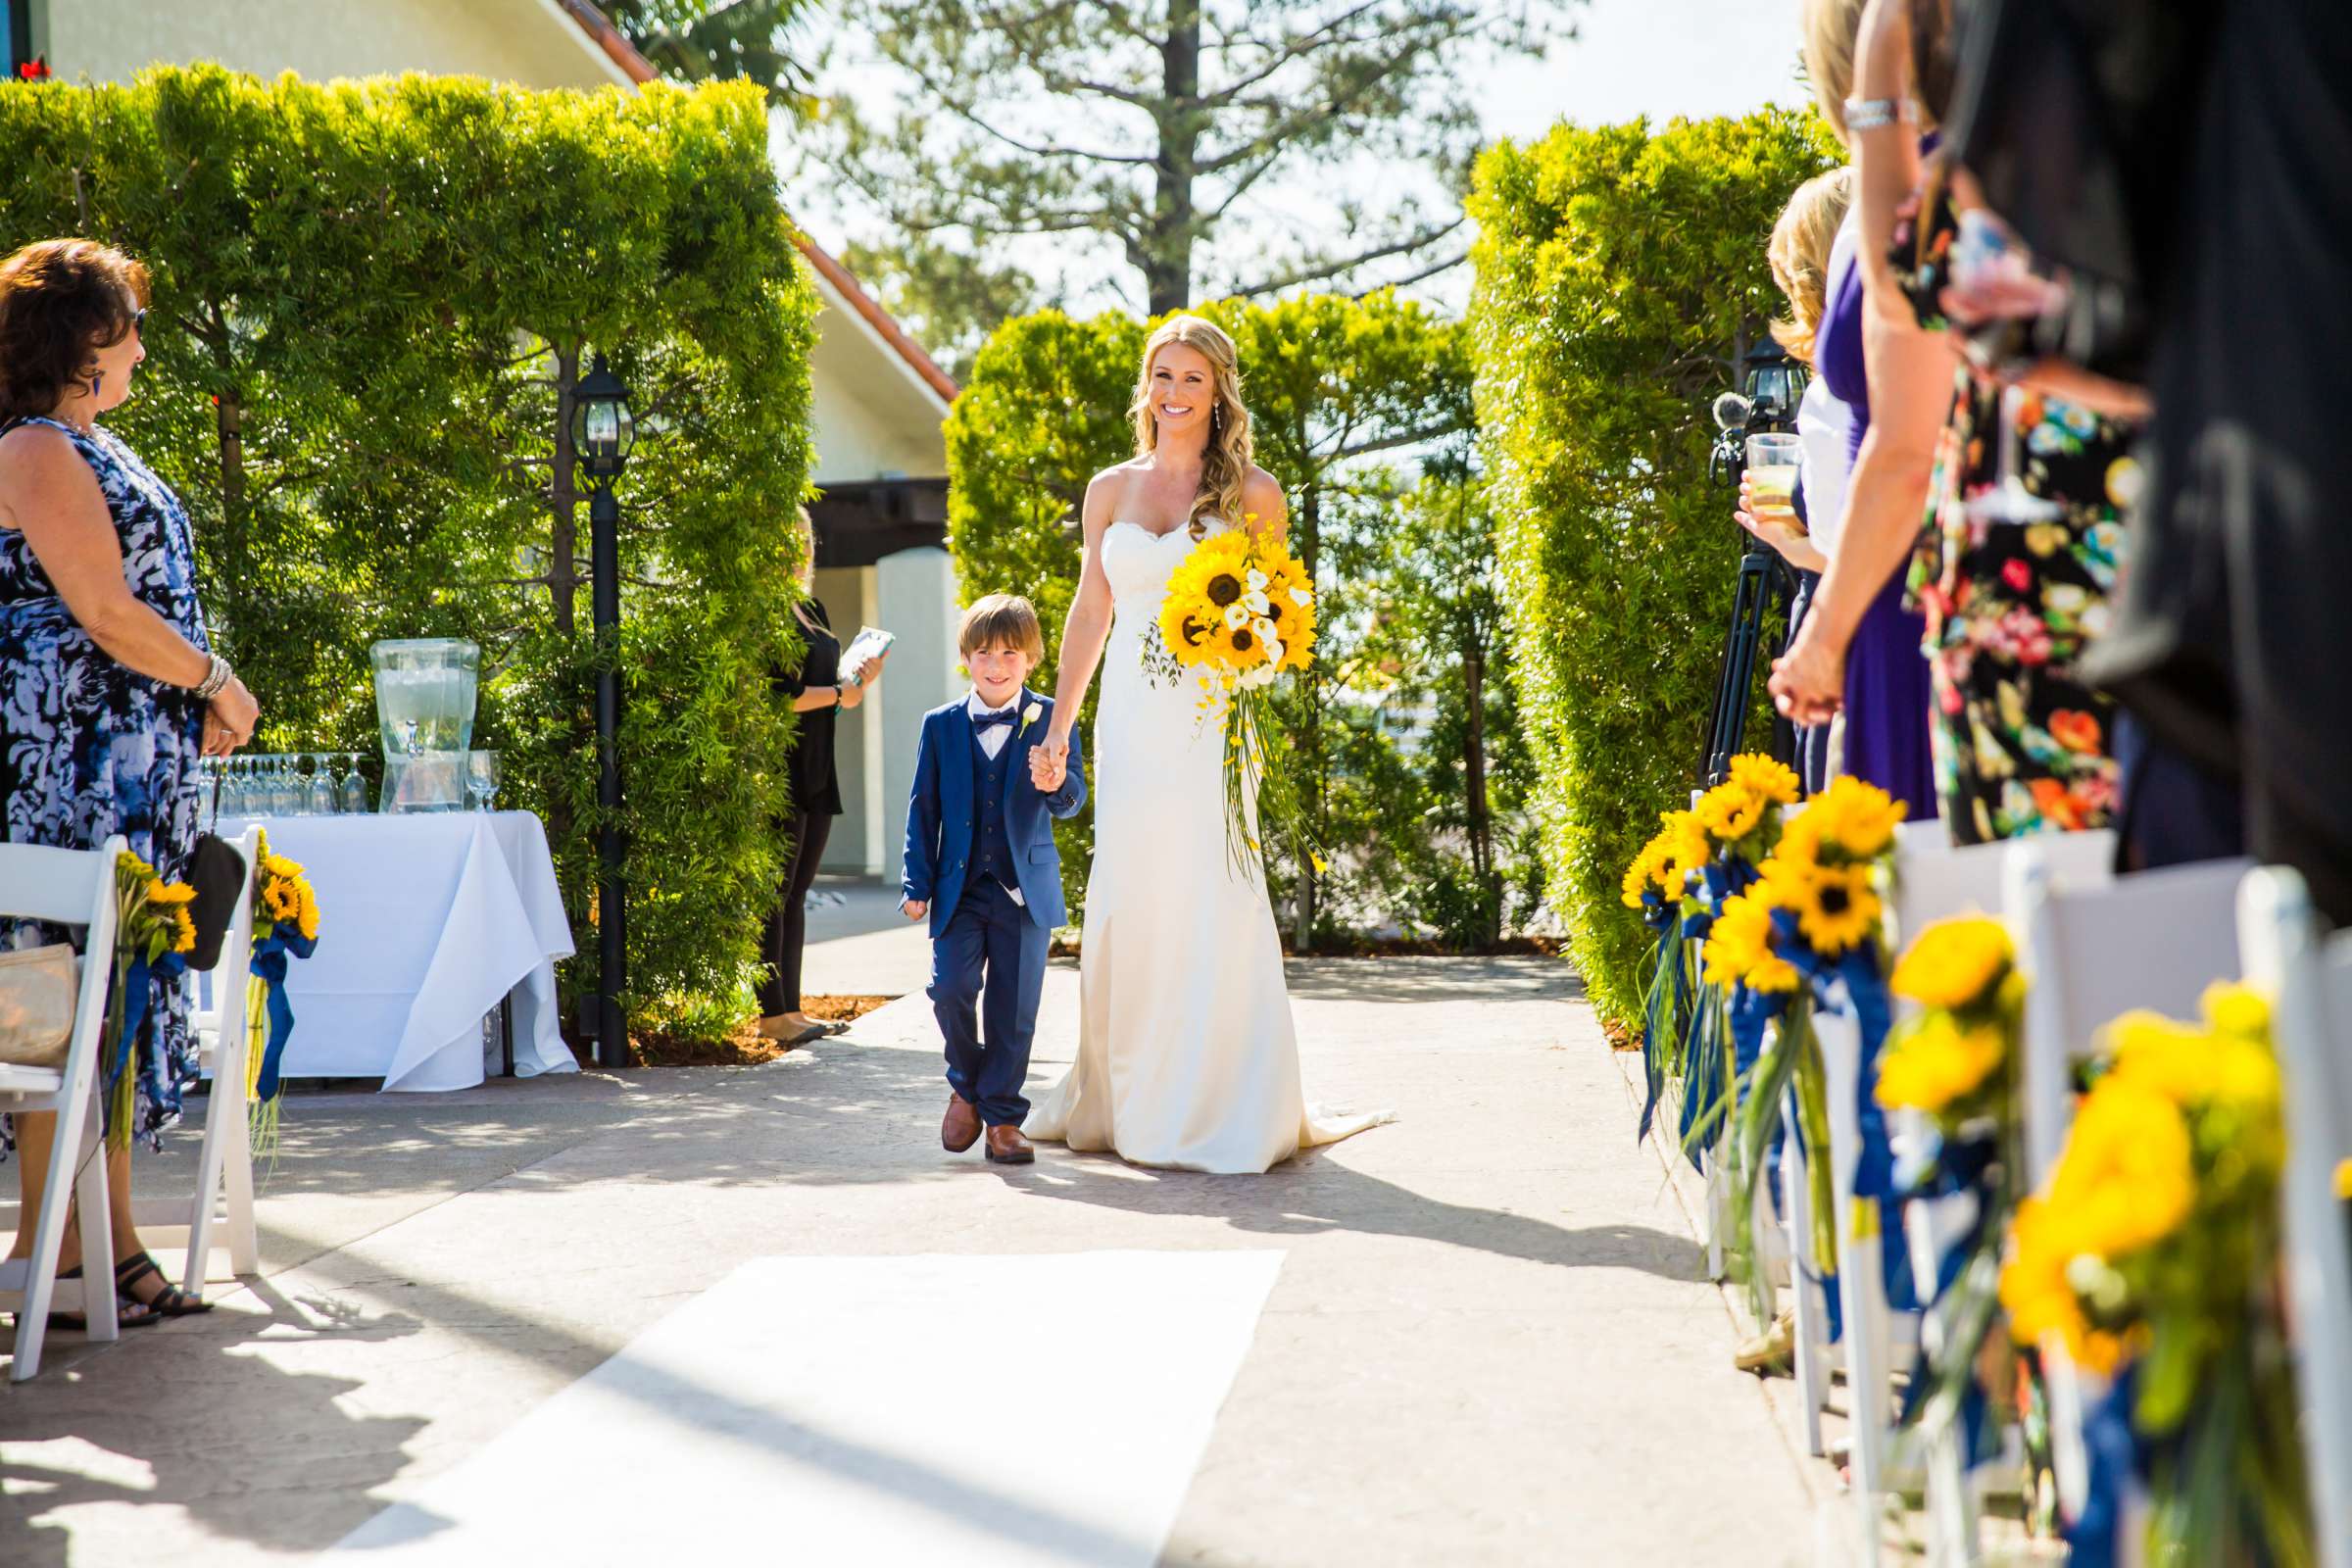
<point>1031,714</point>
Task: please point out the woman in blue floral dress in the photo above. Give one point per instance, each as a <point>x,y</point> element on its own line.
<point>110,691</point>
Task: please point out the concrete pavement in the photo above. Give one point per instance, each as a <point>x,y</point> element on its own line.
<point>1486,1342</point>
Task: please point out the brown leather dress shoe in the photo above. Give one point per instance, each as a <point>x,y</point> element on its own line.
<point>1007,1146</point>
<point>961,1129</point>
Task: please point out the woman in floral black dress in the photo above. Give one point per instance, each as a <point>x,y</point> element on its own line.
<point>2012,593</point>
<point>110,691</point>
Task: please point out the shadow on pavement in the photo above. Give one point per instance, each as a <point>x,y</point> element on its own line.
<point>1316,1198</point>
<point>1416,980</point>
<point>103,1427</point>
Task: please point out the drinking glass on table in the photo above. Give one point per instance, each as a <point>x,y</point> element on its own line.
<point>482,778</point>
<point>354,784</point>
<point>1772,464</point>
<point>319,797</point>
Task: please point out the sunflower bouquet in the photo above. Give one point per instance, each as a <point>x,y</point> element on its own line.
<point>1811,916</point>
<point>2151,1255</point>
<point>1240,613</point>
<point>1680,882</point>
<point>285,925</point>
<point>1949,1070</point>
<point>154,932</point>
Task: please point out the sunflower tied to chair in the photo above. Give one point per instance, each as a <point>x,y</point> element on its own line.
<point>285,926</point>
<point>154,933</point>
<point>1813,914</point>
<point>2150,1255</point>
<point>1950,1070</point>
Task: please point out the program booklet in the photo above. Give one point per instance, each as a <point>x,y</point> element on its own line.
<point>870,643</point>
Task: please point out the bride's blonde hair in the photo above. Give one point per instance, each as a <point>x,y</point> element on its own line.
<point>1225,465</point>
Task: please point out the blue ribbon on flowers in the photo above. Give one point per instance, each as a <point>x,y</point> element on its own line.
<point>138,980</point>
<point>270,951</point>
<point>2111,1446</point>
<point>1947,1168</point>
<point>1873,1014</point>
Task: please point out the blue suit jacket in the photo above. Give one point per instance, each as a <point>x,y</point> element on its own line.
<point>939,814</point>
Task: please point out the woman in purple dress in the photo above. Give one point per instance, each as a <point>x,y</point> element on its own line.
<point>1886,689</point>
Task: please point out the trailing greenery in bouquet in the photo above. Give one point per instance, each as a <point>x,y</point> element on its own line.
<point>1808,932</point>
<point>1741,821</point>
<point>2151,1256</point>
<point>1655,884</point>
<point>1240,613</point>
<point>1951,1074</point>
<point>285,926</point>
<point>154,933</point>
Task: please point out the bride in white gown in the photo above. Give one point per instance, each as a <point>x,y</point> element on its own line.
<point>1186,1055</point>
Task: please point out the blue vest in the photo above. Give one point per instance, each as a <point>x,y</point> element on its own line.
<point>992,778</point>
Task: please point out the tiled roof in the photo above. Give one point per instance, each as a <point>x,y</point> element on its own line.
<point>637,68</point>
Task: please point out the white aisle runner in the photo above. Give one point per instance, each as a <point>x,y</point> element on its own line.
<point>868,1410</point>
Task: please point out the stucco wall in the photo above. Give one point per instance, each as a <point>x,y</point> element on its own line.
<point>524,42</point>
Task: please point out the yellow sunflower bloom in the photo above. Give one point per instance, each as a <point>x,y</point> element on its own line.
<point>183,931</point>
<point>1767,777</point>
<point>1686,850</point>
<point>1955,964</point>
<point>1739,949</point>
<point>170,895</point>
<point>2039,1296</point>
<point>1835,906</point>
<point>1850,819</point>
<point>1938,1062</point>
<point>2127,1179</point>
<point>1731,811</point>
<point>2236,1009</point>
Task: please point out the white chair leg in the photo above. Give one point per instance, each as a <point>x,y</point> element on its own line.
<point>1812,1373</point>
<point>219,1106</point>
<point>93,1201</point>
<point>65,1188</point>
<point>244,1237</point>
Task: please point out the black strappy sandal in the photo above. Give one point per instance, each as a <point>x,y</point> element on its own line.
<point>169,1301</point>
<point>129,1314</point>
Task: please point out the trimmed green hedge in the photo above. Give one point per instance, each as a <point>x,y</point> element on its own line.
<point>1621,271</point>
<point>370,300</point>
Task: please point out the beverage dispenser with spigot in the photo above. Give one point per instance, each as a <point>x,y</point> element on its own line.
<point>425,694</point>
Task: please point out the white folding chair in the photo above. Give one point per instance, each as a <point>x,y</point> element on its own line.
<point>224,1166</point>
<point>65,887</point>
<point>1933,881</point>
<point>1936,881</point>
<point>2153,940</point>
<point>2311,1023</point>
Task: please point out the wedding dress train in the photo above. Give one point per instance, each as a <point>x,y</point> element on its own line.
<point>1186,1055</point>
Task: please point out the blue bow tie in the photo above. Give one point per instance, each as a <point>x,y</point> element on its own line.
<point>1002,715</point>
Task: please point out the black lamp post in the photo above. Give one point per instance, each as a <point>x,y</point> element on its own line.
<point>602,432</point>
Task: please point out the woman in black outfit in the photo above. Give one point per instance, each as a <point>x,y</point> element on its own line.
<point>818,689</point>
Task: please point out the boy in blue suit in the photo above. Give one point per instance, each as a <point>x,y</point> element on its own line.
<point>981,864</point>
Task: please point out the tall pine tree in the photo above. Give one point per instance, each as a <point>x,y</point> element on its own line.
<point>1152,125</point>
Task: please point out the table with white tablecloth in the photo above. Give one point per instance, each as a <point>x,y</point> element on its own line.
<point>427,922</point>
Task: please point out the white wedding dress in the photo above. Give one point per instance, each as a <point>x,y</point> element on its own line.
<point>1186,1056</point>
